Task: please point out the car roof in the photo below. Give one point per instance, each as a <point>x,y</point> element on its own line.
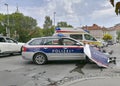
<point>3,36</point>
<point>51,37</point>
<point>55,37</point>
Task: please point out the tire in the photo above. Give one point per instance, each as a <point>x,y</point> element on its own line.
<point>88,60</point>
<point>21,51</point>
<point>39,59</point>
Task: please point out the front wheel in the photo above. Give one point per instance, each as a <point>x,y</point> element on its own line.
<point>88,60</point>
<point>39,59</point>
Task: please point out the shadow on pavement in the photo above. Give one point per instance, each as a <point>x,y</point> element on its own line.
<point>9,55</point>
<point>65,62</point>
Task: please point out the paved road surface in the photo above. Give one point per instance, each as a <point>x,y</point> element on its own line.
<point>14,71</point>
<point>107,77</point>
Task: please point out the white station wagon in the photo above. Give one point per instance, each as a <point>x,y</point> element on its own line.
<point>9,46</point>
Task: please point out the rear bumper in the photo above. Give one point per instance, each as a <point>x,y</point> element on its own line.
<point>27,55</point>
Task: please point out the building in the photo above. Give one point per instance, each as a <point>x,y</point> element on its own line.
<point>113,33</point>
<point>117,27</point>
<point>95,30</point>
<point>98,31</point>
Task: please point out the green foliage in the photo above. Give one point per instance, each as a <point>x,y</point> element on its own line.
<point>117,7</point>
<point>2,25</point>
<point>23,28</point>
<point>63,24</point>
<point>48,32</point>
<point>112,2</point>
<point>47,23</point>
<point>107,37</point>
<point>118,35</point>
<point>20,26</point>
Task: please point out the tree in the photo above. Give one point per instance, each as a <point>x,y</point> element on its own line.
<point>107,37</point>
<point>48,32</point>
<point>117,7</point>
<point>23,28</point>
<point>118,35</point>
<point>47,23</point>
<point>22,25</point>
<point>19,26</point>
<point>63,24</point>
<point>2,24</point>
<point>37,32</point>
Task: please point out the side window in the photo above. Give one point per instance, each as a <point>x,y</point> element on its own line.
<point>68,42</point>
<point>89,37</point>
<point>10,40</point>
<point>76,36</point>
<point>51,41</point>
<point>2,40</point>
<point>36,42</point>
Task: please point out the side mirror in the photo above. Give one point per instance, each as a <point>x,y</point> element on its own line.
<point>16,41</point>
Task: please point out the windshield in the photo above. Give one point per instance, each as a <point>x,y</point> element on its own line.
<point>89,37</point>
<point>77,36</point>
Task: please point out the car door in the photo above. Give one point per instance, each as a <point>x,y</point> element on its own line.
<point>53,49</point>
<point>4,46</point>
<point>13,46</point>
<point>72,49</point>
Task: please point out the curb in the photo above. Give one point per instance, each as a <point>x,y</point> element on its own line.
<point>80,80</point>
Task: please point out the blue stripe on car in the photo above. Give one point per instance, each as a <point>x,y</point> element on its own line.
<point>56,50</point>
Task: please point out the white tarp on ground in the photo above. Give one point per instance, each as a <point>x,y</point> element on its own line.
<point>96,56</point>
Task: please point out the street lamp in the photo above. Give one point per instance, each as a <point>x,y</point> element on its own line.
<point>7,26</point>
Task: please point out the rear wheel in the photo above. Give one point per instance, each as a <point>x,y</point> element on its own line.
<point>40,59</point>
<point>21,50</point>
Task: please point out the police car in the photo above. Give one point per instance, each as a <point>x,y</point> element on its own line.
<point>41,50</point>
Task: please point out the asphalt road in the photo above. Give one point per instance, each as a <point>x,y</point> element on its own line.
<point>14,71</point>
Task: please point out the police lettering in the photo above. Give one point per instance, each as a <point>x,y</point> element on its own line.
<point>62,51</point>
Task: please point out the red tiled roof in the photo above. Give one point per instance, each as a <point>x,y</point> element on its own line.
<point>117,27</point>
<point>94,27</point>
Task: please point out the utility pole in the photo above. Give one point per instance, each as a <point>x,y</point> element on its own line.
<point>54,21</point>
<point>7,25</point>
<point>54,18</point>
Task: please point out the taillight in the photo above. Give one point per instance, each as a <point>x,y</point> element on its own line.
<point>24,49</point>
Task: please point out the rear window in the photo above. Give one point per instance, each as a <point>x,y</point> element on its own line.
<point>2,40</point>
<point>10,40</point>
<point>76,36</point>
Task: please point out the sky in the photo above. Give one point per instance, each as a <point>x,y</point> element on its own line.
<point>75,12</point>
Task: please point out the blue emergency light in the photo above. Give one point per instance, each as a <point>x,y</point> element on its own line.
<point>57,28</point>
<point>60,35</point>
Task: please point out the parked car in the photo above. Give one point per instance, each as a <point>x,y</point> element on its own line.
<point>110,42</point>
<point>41,50</point>
<point>9,45</point>
<point>104,43</point>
